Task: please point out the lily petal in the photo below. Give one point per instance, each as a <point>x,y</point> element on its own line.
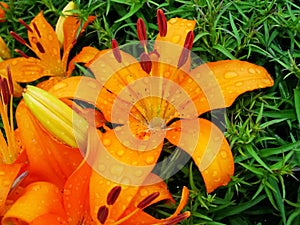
<point>209,150</point>
<point>8,174</point>
<point>76,195</point>
<point>218,84</point>
<point>47,219</point>
<point>38,199</point>
<point>54,163</point>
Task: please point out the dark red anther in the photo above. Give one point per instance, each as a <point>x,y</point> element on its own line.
<point>141,30</point>
<point>40,47</point>
<point>146,201</point>
<point>25,25</point>
<point>113,195</point>
<point>10,81</point>
<point>17,37</point>
<point>102,214</point>
<point>4,90</point>
<point>145,62</point>
<point>21,53</point>
<point>36,29</point>
<point>116,50</point>
<point>162,23</point>
<point>177,219</point>
<point>188,43</point>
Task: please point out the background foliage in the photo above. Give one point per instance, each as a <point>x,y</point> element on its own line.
<point>263,127</point>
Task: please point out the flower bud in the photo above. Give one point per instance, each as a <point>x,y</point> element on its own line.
<point>57,118</point>
<point>59,28</point>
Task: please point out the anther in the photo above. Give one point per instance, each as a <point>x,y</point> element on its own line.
<point>4,90</point>
<point>141,30</point>
<point>177,219</point>
<point>146,201</point>
<point>10,81</point>
<point>25,25</point>
<point>40,47</point>
<point>102,214</point>
<point>18,38</point>
<point>145,62</point>
<point>188,44</point>
<point>116,50</point>
<point>113,195</point>
<point>162,23</point>
<point>21,53</point>
<point>36,29</point>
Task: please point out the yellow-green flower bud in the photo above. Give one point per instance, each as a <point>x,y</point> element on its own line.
<point>57,118</point>
<point>59,28</point>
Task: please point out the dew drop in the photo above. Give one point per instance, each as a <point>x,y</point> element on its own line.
<point>67,192</point>
<point>223,154</point>
<point>138,173</point>
<point>149,159</point>
<point>144,192</point>
<point>101,167</point>
<point>106,142</point>
<point>2,173</point>
<point>173,21</point>
<point>239,84</point>
<point>176,39</point>
<point>6,183</point>
<point>117,170</point>
<point>230,74</point>
<point>251,70</point>
<point>120,152</point>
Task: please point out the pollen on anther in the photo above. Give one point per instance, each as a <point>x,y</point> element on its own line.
<point>145,62</point>
<point>113,195</point>
<point>141,30</point>
<point>161,22</point>
<point>116,50</point>
<point>37,30</point>
<point>25,25</point>
<point>102,214</point>
<point>146,201</point>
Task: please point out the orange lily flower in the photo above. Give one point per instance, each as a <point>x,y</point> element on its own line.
<point>162,96</point>
<point>89,198</point>
<point>43,41</point>
<point>3,8</point>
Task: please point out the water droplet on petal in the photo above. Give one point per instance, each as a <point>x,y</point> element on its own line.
<point>251,70</point>
<point>173,21</point>
<point>101,167</point>
<point>149,159</point>
<point>239,84</point>
<point>106,142</point>
<point>144,192</point>
<point>120,152</point>
<point>176,39</point>
<point>230,74</point>
<point>223,154</point>
<point>117,170</point>
<point>2,173</point>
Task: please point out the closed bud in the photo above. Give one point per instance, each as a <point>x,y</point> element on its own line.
<point>57,118</point>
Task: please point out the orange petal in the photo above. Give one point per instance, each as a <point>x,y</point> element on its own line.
<point>8,174</point>
<point>76,195</point>
<point>116,165</point>
<point>43,36</point>
<point>25,69</point>
<point>48,219</point>
<point>85,56</point>
<point>208,148</point>
<point>71,32</point>
<point>38,199</point>
<point>219,83</point>
<point>53,163</point>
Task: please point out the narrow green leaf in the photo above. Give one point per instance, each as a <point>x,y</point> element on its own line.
<point>297,102</point>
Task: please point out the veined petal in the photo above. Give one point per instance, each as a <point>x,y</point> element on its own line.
<point>38,199</point>
<point>217,84</point>
<point>208,148</point>
<point>54,163</point>
<point>44,43</point>
<point>25,69</point>
<point>8,174</point>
